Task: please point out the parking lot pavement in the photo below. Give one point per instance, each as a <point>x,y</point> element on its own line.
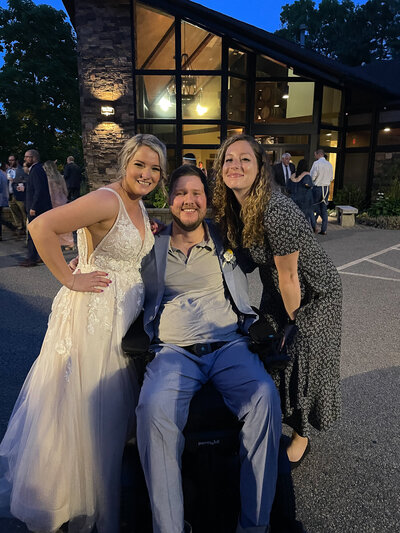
<point>349,482</point>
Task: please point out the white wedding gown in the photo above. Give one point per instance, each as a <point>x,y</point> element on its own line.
<point>60,458</point>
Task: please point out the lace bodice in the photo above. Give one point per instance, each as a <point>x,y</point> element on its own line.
<point>121,250</point>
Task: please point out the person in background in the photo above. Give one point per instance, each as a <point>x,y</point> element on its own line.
<point>3,197</point>
<point>322,175</point>
<point>202,167</point>
<point>283,170</point>
<point>301,285</point>
<point>300,191</point>
<point>37,200</point>
<point>15,175</point>
<point>189,159</point>
<point>59,196</point>
<point>73,178</point>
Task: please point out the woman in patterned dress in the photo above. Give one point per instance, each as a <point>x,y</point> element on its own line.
<point>300,283</point>
<point>60,459</point>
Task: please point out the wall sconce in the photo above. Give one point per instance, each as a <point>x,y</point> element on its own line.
<point>107,110</point>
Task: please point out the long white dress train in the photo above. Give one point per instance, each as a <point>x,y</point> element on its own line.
<point>61,455</point>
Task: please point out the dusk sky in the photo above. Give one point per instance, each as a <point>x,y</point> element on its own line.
<point>265,15</point>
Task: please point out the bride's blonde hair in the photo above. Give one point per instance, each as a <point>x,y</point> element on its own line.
<point>251,213</point>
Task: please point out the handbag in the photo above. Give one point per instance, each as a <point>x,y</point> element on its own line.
<point>271,346</point>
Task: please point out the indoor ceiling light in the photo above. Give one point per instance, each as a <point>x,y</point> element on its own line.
<point>201,110</point>
<point>164,103</point>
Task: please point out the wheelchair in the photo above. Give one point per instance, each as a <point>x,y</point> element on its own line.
<point>210,461</point>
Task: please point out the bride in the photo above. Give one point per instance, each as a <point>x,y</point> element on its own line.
<point>60,459</point>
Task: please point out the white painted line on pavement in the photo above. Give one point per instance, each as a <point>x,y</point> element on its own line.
<point>368,276</point>
<point>357,261</point>
<point>383,265</point>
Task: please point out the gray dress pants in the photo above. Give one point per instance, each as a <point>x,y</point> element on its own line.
<point>171,380</point>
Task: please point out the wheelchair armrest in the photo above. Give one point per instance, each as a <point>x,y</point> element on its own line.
<point>136,341</point>
<point>136,345</point>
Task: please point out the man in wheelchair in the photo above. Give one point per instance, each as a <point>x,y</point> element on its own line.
<point>196,315</point>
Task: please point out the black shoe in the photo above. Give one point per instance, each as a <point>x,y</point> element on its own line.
<point>27,263</point>
<point>322,233</point>
<point>295,464</point>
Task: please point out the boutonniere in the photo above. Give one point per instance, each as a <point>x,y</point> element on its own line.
<point>229,257</point>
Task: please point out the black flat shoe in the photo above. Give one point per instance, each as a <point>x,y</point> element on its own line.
<point>295,464</point>
<point>322,233</point>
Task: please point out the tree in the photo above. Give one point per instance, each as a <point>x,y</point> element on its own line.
<point>39,93</point>
<point>349,33</point>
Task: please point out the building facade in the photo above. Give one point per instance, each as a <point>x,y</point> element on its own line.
<point>193,77</point>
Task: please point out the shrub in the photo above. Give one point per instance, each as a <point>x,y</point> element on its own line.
<point>156,199</point>
<point>385,208</point>
<point>349,195</point>
<point>387,205</point>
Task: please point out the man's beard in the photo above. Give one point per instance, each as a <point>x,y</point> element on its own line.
<point>188,227</point>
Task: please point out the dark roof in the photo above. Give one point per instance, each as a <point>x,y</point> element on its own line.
<point>383,73</point>
<point>304,61</point>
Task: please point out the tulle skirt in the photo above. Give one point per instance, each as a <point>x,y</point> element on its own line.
<point>60,459</point>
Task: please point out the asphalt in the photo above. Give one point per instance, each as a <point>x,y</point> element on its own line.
<point>349,483</point>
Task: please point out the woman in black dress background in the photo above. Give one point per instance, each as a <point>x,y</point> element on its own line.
<point>299,281</point>
<point>300,191</point>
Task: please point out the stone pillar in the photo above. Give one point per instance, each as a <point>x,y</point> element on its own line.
<point>104,29</point>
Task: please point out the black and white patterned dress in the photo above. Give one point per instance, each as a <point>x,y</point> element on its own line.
<point>310,385</point>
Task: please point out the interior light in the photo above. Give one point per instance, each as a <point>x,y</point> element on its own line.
<point>386,129</point>
<point>328,134</point>
<point>107,110</point>
<point>276,105</point>
<point>285,96</point>
<point>201,110</point>
<point>164,103</point>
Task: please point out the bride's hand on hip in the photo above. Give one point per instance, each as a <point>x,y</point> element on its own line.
<point>91,282</point>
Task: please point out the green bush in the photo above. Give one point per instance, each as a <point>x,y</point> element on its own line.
<point>387,205</point>
<point>156,199</point>
<point>385,208</point>
<point>391,222</point>
<point>349,195</point>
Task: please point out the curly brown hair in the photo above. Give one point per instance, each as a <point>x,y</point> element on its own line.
<point>228,213</point>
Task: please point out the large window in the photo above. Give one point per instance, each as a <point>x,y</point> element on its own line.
<point>266,67</point>
<point>237,61</point>
<point>205,101</point>
<point>154,38</point>
<point>284,101</point>
<point>386,169</point>
<point>389,136</point>
<point>201,134</point>
<point>356,170</point>
<point>331,106</point>
<point>165,132</point>
<point>154,97</point>
<point>202,49</point>
<point>237,99</point>
<point>329,138</point>
<point>358,139</point>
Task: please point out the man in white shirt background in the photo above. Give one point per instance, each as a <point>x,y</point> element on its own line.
<point>322,175</point>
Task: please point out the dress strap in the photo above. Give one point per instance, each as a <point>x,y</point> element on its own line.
<point>111,190</point>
